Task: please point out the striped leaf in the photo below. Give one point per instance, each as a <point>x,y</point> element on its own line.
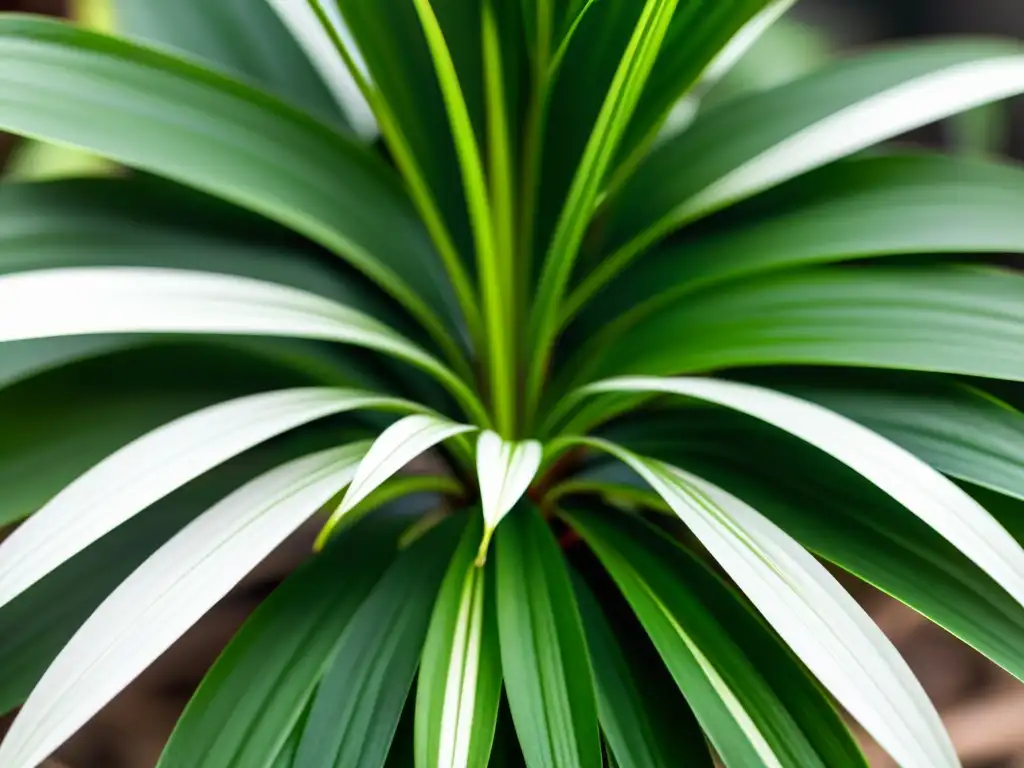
<point>459,685</point>
<point>151,467</point>
<point>167,595</point>
<point>505,470</point>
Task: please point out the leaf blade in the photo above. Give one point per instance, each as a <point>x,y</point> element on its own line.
<point>153,466</point>
<point>459,687</point>
<point>548,680</point>
<point>505,471</point>
<point>200,564</point>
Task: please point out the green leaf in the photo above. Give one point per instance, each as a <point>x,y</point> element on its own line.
<point>948,320</point>
<point>361,696</point>
<point>241,38</point>
<point>544,657</point>
<point>39,622</point>
<point>587,65</point>
<point>842,518</point>
<point>618,106</point>
<point>959,430</point>
<point>459,685</point>
<point>813,614</point>
<point>182,581</point>
<point>149,222</point>
<point>755,702</point>
<point>855,209</point>
<point>493,265</point>
<point>152,111</point>
<point>252,701</point>
<point>760,141</point>
<point>59,424</point>
<point>907,479</point>
<point>642,725</point>
<point>154,465</point>
<point>391,41</point>
<point>140,300</point>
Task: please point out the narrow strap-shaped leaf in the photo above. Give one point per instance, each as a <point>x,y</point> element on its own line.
<point>305,27</point>
<point>398,61</point>
<point>841,517</point>
<point>759,141</point>
<point>493,265</point>
<point>60,423</point>
<point>40,621</point>
<point>918,487</point>
<point>459,685</point>
<point>154,465</point>
<point>396,446</point>
<point>505,471</point>
<point>155,112</point>
<point>243,38</point>
<point>706,40</point>
<point>949,320</point>
<point>854,209</point>
<point>577,211</point>
<point>167,595</point>
<point>548,678</point>
<point>961,431</point>
<point>823,624</point>
<point>756,703</point>
<point>140,300</point>
<point>254,697</point>
<point>361,697</point>
<point>642,729</point>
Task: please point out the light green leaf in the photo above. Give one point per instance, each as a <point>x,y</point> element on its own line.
<point>949,320</point>
<point>548,678</point>
<point>903,476</point>
<point>759,141</point>
<point>254,698</point>
<point>854,209</point>
<point>151,467</point>
<point>149,300</point>
<point>623,94</point>
<point>398,61</point>
<point>157,113</point>
<point>460,673</point>
<point>242,38</point>
<point>505,471</point>
<point>823,624</point>
<point>642,726</point>
<point>399,444</point>
<point>755,702</point>
<point>360,699</point>
<point>167,595</point>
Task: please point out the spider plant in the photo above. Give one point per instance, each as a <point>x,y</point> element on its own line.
<point>666,384</point>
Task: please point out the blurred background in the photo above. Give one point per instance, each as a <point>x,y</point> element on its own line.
<point>982,706</point>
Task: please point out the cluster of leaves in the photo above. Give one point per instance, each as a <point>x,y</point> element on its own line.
<point>668,372</point>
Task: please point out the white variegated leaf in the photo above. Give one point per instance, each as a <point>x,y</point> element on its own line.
<point>80,301</point>
<point>505,470</point>
<point>301,20</point>
<point>396,446</point>
<point>167,594</point>
<point>154,465</point>
<point>464,667</point>
<point>920,488</point>
<point>824,625</point>
<point>886,114</point>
